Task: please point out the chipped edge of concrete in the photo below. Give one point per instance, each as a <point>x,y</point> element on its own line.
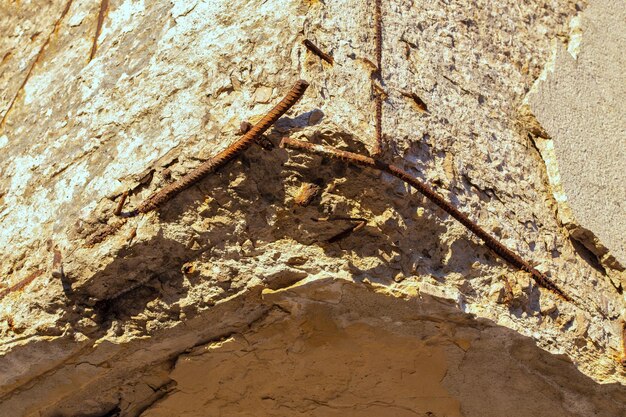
<point>545,145</point>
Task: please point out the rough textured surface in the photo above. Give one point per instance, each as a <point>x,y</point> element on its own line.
<point>414,357</point>
<point>579,102</point>
<point>108,316</point>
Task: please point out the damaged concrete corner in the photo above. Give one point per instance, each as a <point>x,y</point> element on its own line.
<point>289,282</point>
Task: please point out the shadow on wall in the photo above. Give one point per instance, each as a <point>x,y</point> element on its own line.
<point>251,200</point>
<point>376,355</point>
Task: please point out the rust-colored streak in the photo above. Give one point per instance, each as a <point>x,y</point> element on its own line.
<point>250,137</point>
<point>379,124</point>
<point>67,9</point>
<point>20,285</point>
<point>497,247</point>
<point>104,6</point>
<point>35,61</point>
<point>56,259</point>
<point>5,58</point>
<point>57,266</point>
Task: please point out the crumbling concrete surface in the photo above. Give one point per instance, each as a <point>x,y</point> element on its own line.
<point>288,283</point>
<point>579,104</point>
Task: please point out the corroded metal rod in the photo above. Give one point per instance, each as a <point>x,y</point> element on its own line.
<point>356,159</point>
<point>120,204</point>
<point>21,284</point>
<point>168,192</point>
<point>378,35</point>
<point>317,51</point>
<point>378,23</point>
<point>378,117</point>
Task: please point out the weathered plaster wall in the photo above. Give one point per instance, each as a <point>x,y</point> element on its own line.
<point>585,146</point>
<point>117,329</point>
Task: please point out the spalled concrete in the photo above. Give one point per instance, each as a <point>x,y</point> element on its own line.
<point>230,299</point>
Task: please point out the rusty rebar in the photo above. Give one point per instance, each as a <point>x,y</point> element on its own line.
<point>378,25</point>
<point>497,247</point>
<point>379,124</point>
<point>34,63</point>
<point>120,204</point>
<point>317,51</point>
<point>378,74</point>
<point>169,191</point>
<point>21,284</point>
<point>57,263</point>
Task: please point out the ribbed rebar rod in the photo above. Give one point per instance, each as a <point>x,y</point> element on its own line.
<point>378,99</point>
<point>356,159</point>
<point>168,192</point>
<point>378,34</point>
